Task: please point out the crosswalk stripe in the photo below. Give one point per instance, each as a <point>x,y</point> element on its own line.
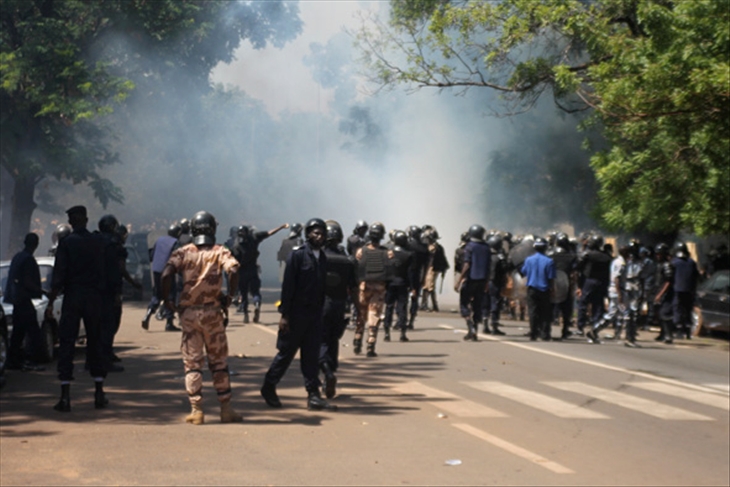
<point>514,449</point>
<point>551,405</point>
<point>628,401</point>
<point>722,402</point>
<point>446,401</point>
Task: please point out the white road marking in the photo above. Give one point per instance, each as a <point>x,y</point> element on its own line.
<point>721,387</point>
<point>652,408</point>
<point>273,331</point>
<point>714,400</point>
<point>446,401</point>
<point>548,404</point>
<point>514,449</point>
<point>703,388</point>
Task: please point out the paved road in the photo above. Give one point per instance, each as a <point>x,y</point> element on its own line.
<point>506,411</point>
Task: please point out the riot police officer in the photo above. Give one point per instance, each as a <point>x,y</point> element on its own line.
<point>112,293</point>
<point>498,271</point>
<point>340,285</point>
<point>594,265</point>
<point>62,231</point>
<point>357,239</point>
<point>293,240</point>
<point>403,283</point>
<point>373,276</point>
<point>665,297</point>
<point>473,281</point>
<point>686,276</point>
<point>300,326</point>
<point>647,278</point>
<point>565,271</point>
<point>420,253</point>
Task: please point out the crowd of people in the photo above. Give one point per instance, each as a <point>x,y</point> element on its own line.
<point>328,280</point>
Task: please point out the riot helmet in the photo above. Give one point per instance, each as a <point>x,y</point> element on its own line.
<point>122,232</point>
<point>376,232</point>
<point>313,239</point>
<point>644,252</point>
<point>562,241</point>
<point>184,226</point>
<point>295,230</point>
<point>203,228</point>
<point>595,242</point>
<point>540,244</point>
<point>680,250</point>
<point>661,249</point>
<point>476,233</point>
<point>334,232</point>
<point>243,232</point>
<point>108,224</point>
<point>62,231</point>
<point>414,232</point>
<point>175,230</point>
<point>400,238</point>
<point>427,237</point>
<point>464,237</point>
<point>360,228</point>
<point>507,236</point>
<point>495,241</point>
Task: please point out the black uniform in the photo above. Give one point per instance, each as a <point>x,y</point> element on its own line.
<point>354,242</point>
<point>340,280</point>
<point>80,271</point>
<point>111,296</point>
<point>685,287</point>
<point>247,253</point>
<point>396,296</point>
<point>498,271</point>
<point>302,303</point>
<point>648,278</point>
<point>565,261</point>
<point>595,269</point>
<point>23,285</point>
<point>420,255</point>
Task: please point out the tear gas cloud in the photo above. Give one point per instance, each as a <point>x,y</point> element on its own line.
<point>286,145</point>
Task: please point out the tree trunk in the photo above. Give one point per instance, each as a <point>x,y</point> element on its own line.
<point>22,209</point>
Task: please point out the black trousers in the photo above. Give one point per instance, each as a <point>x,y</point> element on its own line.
<point>80,304</point>
<point>333,327</point>
<point>25,322</point>
<point>111,316</point>
<point>396,300</point>
<point>305,333</point>
<point>540,311</point>
<point>471,297</point>
<point>249,282</point>
<point>592,294</point>
<point>564,311</point>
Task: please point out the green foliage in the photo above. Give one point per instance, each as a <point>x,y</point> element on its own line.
<point>653,74</point>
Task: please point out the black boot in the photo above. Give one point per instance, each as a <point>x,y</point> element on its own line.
<point>268,392</point>
<point>411,321</point>
<point>64,404</point>
<point>496,330</point>
<point>100,400</point>
<point>170,326</point>
<point>371,350</point>
<point>357,346</point>
<point>146,320</point>
<point>256,312</point>
<point>487,331</point>
<point>330,381</point>
<point>245,317</point>
<point>403,337</point>
<point>386,336</point>
<point>315,402</point>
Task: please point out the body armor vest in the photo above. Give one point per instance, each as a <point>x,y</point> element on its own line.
<point>373,265</point>
<point>340,270</point>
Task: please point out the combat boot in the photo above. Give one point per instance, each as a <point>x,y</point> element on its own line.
<point>371,350</point>
<point>146,320</point>
<point>487,331</point>
<point>64,404</point>
<point>357,346</point>
<point>403,337</point>
<point>228,414</point>
<point>386,335</point>
<point>268,392</point>
<point>315,402</point>
<point>496,331</point>
<point>196,415</point>
<point>245,317</point>
<point>256,312</point>
<point>433,302</point>
<point>100,400</point>
<point>170,326</point>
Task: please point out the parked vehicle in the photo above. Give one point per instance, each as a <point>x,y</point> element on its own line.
<point>136,270</point>
<point>49,327</point>
<point>4,337</point>
<point>712,313</point>
<point>139,241</point>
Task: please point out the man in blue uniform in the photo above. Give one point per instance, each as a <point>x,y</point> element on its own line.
<point>300,326</point>
<point>473,281</point>
<point>539,270</point>
<point>160,254</point>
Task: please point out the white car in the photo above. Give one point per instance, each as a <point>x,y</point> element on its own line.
<point>49,327</point>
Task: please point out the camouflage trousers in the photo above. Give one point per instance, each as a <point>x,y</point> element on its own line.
<point>203,335</point>
<point>372,302</point>
<point>429,280</point>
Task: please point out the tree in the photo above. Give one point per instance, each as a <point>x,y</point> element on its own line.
<point>64,64</point>
<point>652,74</point>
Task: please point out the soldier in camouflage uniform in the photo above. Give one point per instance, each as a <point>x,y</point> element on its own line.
<point>373,274</point>
<point>202,265</point>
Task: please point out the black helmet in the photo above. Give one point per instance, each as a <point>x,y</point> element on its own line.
<point>476,233</point>
<point>595,242</point>
<point>540,244</point>
<point>122,231</point>
<point>62,231</point>
<point>400,238</point>
<point>376,232</point>
<point>562,241</point>
<point>175,230</point>
<point>295,230</point>
<point>243,231</point>
<point>334,232</point>
<point>427,236</point>
<point>680,250</point>
<point>644,252</point>
<point>314,223</point>
<point>185,225</point>
<point>495,241</point>
<point>464,237</point>
<point>661,249</point>
<point>507,236</point>
<point>360,226</point>
<point>203,228</point>
<point>108,224</point>
<point>414,231</point>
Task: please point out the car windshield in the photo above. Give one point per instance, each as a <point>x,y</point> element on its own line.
<point>718,283</point>
<point>46,273</point>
